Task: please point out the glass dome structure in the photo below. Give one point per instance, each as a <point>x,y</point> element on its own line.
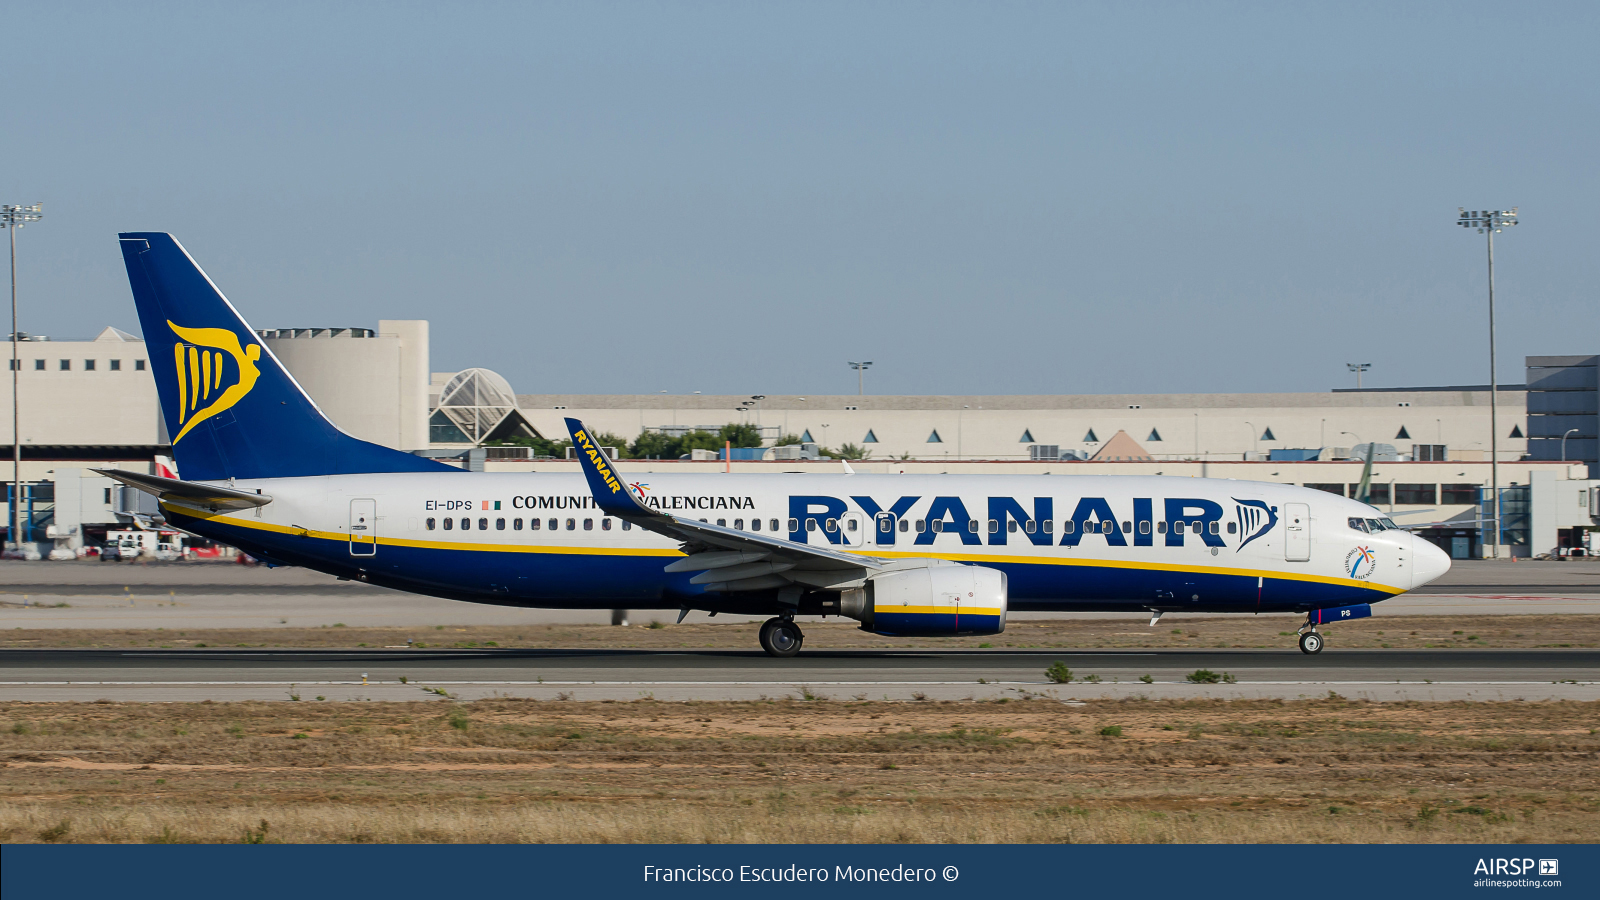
<point>472,405</point>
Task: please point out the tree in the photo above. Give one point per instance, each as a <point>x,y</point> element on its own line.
<point>740,435</point>
<point>787,440</point>
<point>848,451</point>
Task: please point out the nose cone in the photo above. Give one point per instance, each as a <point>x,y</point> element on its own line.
<point>1428,563</point>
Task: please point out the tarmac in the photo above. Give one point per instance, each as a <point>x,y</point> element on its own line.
<point>402,674</point>
<point>218,595</point>
<point>86,594</point>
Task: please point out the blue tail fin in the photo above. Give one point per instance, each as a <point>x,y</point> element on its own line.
<point>231,408</point>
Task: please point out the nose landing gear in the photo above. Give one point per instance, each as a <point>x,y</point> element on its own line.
<point>1310,642</point>
<point>781,637</point>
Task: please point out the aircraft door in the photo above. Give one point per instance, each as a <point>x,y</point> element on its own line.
<point>363,527</point>
<point>854,529</point>
<point>1297,532</point>
<point>883,529</point>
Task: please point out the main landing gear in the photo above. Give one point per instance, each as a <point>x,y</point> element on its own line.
<point>1310,641</point>
<point>781,637</point>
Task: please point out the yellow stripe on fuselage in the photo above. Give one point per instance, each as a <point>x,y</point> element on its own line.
<point>641,551</point>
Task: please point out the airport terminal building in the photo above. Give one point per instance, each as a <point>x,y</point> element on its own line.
<point>92,403</point>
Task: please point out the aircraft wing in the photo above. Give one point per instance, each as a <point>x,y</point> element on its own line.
<point>189,493</point>
<point>727,558</point>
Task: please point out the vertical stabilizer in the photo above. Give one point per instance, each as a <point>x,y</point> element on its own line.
<point>231,408</point>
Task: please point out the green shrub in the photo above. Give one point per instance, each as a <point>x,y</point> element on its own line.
<point>1203,676</point>
<point>1111,731</point>
<point>1059,673</point>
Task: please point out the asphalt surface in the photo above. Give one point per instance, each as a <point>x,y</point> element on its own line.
<point>839,674</point>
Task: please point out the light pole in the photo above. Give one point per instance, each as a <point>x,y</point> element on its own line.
<point>1358,368</point>
<point>758,398</point>
<point>1491,222</point>
<point>1564,443</point>
<point>14,217</point>
<point>861,368</point>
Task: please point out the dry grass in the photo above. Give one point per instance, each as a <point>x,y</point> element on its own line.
<point>1227,631</point>
<point>799,771</point>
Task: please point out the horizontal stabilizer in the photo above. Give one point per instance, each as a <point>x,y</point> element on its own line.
<point>189,493</point>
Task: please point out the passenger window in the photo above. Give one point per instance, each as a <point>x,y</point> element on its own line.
<point>1233,527</point>
<point>626,525</point>
<point>533,524</point>
<point>811,524</point>
<point>1049,525</point>
<point>1198,526</point>
<point>1068,526</point>
<point>885,524</point>
<point>605,524</point>
<point>722,523</point>
<point>972,526</point>
<point>449,523</point>
<point>938,526</point>
<point>466,524</point>
<point>1214,527</point>
<point>1144,526</point>
<point>483,524</point>
<point>516,524</point>
<point>555,524</point>
<point>431,523</point>
<point>994,526</point>
<point>572,524</point>
<point>904,526</point>
<point>1107,526</point>
<point>1177,527</point>
<point>831,524</point>
<point>794,525</point>
<point>1161,528</point>
<point>739,524</point>
<point>773,524</point>
<point>755,524</point>
<point>850,524</point>
<point>499,524</point>
<point>1127,527</point>
<point>922,526</point>
<point>588,524</point>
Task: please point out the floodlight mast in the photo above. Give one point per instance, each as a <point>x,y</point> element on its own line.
<point>1491,222</point>
<point>1358,368</point>
<point>14,217</point>
<point>861,368</point>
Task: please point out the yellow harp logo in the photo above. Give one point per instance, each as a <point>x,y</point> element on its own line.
<point>202,357</point>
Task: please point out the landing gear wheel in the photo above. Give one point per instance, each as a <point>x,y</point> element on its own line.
<point>781,637</point>
<point>1311,642</point>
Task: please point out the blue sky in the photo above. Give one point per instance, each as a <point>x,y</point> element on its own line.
<point>738,198</point>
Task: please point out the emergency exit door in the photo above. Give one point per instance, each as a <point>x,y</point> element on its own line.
<point>363,527</point>
<point>1297,532</point>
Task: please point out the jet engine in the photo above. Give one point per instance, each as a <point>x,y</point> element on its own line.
<point>933,601</point>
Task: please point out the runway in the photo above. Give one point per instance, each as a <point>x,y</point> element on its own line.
<point>400,674</point>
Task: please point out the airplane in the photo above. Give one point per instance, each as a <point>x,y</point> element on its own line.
<point>261,468</point>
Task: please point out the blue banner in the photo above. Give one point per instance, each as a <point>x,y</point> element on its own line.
<point>1121,871</point>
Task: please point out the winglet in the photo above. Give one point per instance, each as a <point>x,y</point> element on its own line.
<point>610,494</point>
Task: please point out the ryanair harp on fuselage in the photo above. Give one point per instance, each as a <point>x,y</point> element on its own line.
<point>264,470</point>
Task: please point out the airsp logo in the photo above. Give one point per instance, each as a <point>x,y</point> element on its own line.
<point>1360,563</point>
<point>202,356</point>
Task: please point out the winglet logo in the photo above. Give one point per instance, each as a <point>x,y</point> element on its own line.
<point>1255,519</point>
<point>201,356</point>
<point>639,487</point>
<point>597,459</point>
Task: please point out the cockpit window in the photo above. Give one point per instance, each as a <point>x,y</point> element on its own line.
<point>1375,525</point>
<point>1388,523</point>
<point>1358,524</point>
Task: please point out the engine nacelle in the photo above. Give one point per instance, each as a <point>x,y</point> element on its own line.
<point>939,600</point>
